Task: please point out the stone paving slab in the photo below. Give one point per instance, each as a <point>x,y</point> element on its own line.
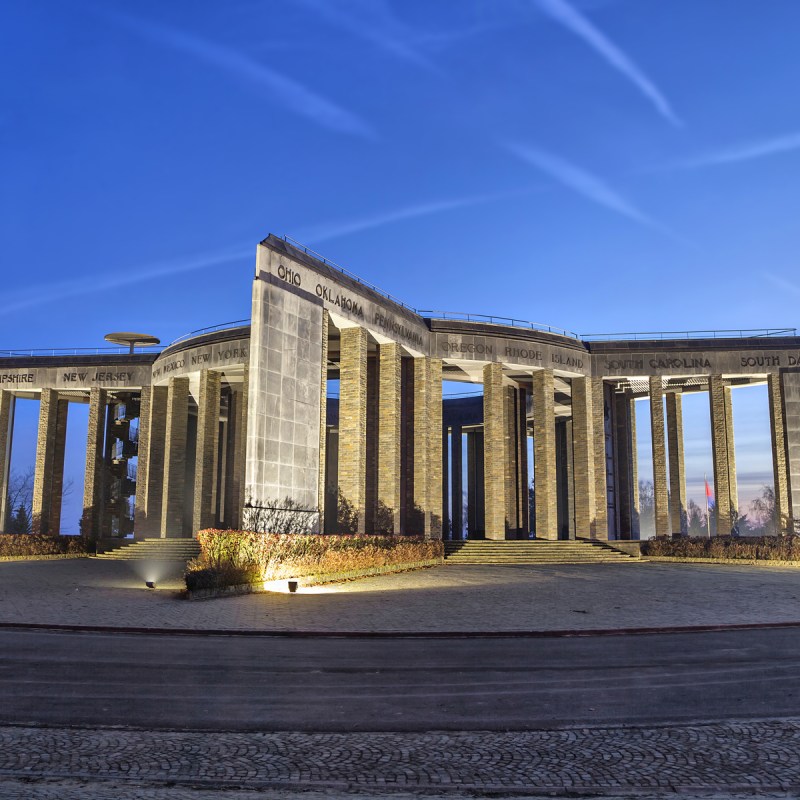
<point>440,599</point>
<point>738,757</point>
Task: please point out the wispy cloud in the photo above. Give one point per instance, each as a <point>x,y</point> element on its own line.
<point>582,182</point>
<point>96,283</point>
<point>336,229</point>
<point>374,22</point>
<point>571,19</point>
<point>782,283</point>
<point>293,95</point>
<point>743,152</point>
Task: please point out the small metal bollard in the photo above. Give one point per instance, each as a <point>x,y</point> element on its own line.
<point>292,587</point>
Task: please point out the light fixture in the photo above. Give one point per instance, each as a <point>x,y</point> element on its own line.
<point>150,584</point>
<point>292,587</point>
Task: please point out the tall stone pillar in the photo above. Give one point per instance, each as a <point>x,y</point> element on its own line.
<point>524,523</point>
<point>790,384</point>
<point>153,423</point>
<point>389,440</point>
<point>7,404</point>
<point>206,452</point>
<point>372,458</point>
<point>544,460</point>
<point>427,447</point>
<point>494,451</point>
<point>353,430</point>
<point>142,464</point>
<point>42,502</point>
<point>733,487</point>
<point>323,421</point>
<point>778,437</point>
<point>456,484</point>
<point>583,458</point>
<point>677,471</point>
<point>599,455</point>
<point>718,405</point>
<point>475,485</point>
<point>511,461</point>
<point>91,521</point>
<point>174,492</point>
<point>236,448</point>
<point>660,490</point>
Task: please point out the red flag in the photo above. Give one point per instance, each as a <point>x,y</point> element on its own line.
<point>709,495</point>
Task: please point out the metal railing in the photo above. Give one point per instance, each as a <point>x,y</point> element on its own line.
<point>237,323</point>
<point>351,275</point>
<point>74,351</point>
<point>495,320</point>
<point>742,333</point>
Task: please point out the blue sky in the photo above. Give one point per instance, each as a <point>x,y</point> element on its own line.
<point>599,165</point>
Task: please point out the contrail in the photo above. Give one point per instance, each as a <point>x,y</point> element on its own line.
<point>582,182</point>
<point>100,282</point>
<point>293,95</point>
<point>563,13</point>
<point>745,152</point>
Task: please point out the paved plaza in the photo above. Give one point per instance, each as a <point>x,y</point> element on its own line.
<point>441,599</point>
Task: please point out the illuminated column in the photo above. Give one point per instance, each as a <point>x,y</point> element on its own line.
<point>456,483</point>
<point>660,491</point>
<point>150,485</point>
<point>790,384</point>
<point>433,521</point>
<point>389,416</point>
<point>235,452</point>
<point>718,404</point>
<point>599,455</point>
<point>91,521</point>
<point>733,489</point>
<point>174,492</point>
<point>7,404</point>
<point>583,457</point>
<point>323,421</point>
<point>45,458</point>
<point>778,436</point>
<point>142,464</point>
<point>677,472</point>
<point>353,429</point>
<point>206,452</point>
<point>544,461</point>
<point>372,458</point>
<point>494,451</point>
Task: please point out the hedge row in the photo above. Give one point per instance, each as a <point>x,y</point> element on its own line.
<point>34,544</point>
<point>228,558</point>
<point>761,548</point>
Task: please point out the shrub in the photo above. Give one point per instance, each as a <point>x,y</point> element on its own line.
<point>230,557</point>
<point>752,548</point>
<point>34,544</point>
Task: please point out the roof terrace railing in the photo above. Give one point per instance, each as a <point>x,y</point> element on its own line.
<point>494,320</point>
<point>74,351</point>
<point>742,333</point>
<point>351,275</point>
<point>223,326</point>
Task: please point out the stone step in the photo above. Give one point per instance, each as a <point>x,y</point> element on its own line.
<point>487,551</point>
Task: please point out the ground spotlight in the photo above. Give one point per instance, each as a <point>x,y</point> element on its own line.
<point>292,586</point>
<point>150,584</point>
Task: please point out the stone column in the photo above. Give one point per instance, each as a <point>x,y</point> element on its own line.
<point>372,458</point>
<point>236,452</point>
<point>599,456</point>
<point>475,485</point>
<point>433,523</point>
<point>175,434</point>
<point>45,458</point>
<point>353,429</point>
<point>522,463</point>
<point>323,421</point>
<point>544,461</point>
<point>389,440</point>
<point>494,451</point>
<point>7,404</point>
<point>456,483</point>
<point>142,463</point>
<point>155,424</point>
<point>720,452</point>
<point>583,458</point>
<point>677,472</point>
<point>91,522</point>
<point>206,452</point>
<point>511,463</point>
<point>778,436</point>
<point>660,491</point>
<point>790,384</point>
<point>446,529</point>
<point>58,466</point>
<point>733,489</point>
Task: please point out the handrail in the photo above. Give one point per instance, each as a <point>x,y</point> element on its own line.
<point>74,351</point>
<point>495,320</point>
<point>743,333</point>
<point>351,275</point>
<point>237,323</point>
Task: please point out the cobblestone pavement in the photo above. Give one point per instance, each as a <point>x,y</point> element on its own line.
<point>449,598</point>
<point>735,757</point>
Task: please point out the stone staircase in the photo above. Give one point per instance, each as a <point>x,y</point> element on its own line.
<point>576,551</point>
<point>153,550</point>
